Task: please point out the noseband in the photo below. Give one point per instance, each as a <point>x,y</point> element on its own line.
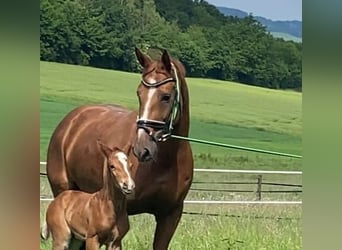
<point>162,129</point>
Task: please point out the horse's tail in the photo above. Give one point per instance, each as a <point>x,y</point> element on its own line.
<point>45,233</point>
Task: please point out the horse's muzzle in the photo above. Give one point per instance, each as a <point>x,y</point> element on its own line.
<point>144,148</point>
<point>143,156</point>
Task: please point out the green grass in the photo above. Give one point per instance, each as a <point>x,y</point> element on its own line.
<point>236,227</point>
<point>216,101</point>
<point>220,111</point>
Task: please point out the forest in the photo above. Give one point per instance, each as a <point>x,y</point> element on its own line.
<point>104,33</point>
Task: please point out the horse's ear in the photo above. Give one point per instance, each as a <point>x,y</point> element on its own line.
<point>107,151</point>
<point>143,59</point>
<point>166,60</point>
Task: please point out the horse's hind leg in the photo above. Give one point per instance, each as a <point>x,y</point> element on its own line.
<point>56,171</point>
<point>166,227</point>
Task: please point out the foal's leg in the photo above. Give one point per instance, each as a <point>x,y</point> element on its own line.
<point>60,239</point>
<point>92,243</point>
<point>166,226</point>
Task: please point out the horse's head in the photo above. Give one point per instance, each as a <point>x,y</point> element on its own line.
<point>119,166</point>
<point>159,104</point>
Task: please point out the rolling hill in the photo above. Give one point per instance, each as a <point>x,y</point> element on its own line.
<point>289,30</point>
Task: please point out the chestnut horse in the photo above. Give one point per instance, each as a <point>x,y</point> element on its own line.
<point>162,166</point>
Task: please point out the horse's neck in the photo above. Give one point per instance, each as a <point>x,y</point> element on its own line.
<point>182,127</point>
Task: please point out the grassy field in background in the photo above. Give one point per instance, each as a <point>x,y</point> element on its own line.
<point>220,111</point>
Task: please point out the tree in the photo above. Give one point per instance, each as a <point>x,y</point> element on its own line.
<point>103,33</point>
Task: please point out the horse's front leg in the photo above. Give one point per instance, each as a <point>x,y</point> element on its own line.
<point>166,227</point>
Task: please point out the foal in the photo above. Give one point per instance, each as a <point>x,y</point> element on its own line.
<point>99,218</point>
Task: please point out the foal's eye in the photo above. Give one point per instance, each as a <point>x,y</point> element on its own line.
<point>112,167</point>
<point>165,98</point>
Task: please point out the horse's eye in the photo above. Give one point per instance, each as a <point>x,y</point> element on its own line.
<point>112,167</point>
<point>165,98</point>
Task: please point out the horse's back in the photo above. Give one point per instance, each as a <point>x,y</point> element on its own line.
<point>73,145</point>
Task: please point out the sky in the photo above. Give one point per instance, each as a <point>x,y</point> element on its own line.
<point>271,9</point>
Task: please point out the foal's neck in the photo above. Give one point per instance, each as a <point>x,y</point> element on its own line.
<point>109,190</point>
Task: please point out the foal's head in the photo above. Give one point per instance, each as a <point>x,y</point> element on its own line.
<point>159,104</point>
<point>119,166</point>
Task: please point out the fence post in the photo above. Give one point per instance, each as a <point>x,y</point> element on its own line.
<point>259,183</point>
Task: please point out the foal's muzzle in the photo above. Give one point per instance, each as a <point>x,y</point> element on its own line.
<point>127,187</point>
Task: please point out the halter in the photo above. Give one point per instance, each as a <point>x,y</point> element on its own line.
<point>163,129</point>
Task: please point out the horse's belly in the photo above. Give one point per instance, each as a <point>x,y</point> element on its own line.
<point>87,177</point>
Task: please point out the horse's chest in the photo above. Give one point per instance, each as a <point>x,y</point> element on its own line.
<point>160,186</point>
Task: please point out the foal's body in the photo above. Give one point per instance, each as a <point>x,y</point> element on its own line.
<point>70,219</point>
<point>98,219</point>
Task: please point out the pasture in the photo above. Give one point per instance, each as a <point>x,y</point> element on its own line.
<point>238,227</point>
<point>220,111</point>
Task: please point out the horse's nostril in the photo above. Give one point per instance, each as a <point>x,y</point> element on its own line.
<point>145,155</point>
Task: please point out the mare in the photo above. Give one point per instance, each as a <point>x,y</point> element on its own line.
<point>162,165</point>
<point>97,219</point>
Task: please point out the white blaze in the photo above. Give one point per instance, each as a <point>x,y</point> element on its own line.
<point>148,104</point>
<point>124,162</point>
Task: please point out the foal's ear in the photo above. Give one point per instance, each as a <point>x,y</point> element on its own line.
<point>143,59</point>
<point>115,148</point>
<point>165,58</point>
<point>107,151</point>
<point>128,149</point>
